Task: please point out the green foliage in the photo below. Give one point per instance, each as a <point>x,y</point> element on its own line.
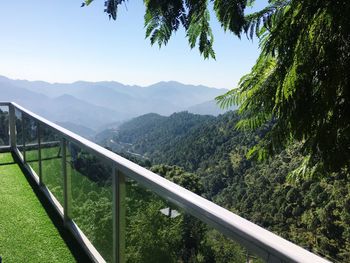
<point>300,82</point>
<point>313,212</point>
<point>176,174</point>
<point>198,28</point>
<point>111,7</point>
<point>91,196</point>
<point>187,140</point>
<point>151,236</point>
<point>226,251</point>
<point>231,14</point>
<point>162,18</point>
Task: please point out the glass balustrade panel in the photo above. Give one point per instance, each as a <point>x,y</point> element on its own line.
<point>19,131</point>
<point>51,161</point>
<point>158,231</point>
<point>30,135</point>
<point>90,199</point>
<point>4,126</point>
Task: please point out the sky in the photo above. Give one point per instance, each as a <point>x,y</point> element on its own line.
<point>58,41</point>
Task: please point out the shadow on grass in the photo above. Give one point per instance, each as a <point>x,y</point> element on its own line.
<point>7,163</point>
<point>73,245</point>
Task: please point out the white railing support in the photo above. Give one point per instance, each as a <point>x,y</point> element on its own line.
<point>23,138</point>
<point>12,128</point>
<point>39,154</point>
<point>66,182</point>
<point>119,207</point>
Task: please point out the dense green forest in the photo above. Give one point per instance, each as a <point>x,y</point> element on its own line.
<point>313,212</point>
<point>206,155</point>
<point>156,230</point>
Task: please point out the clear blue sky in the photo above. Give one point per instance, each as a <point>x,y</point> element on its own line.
<point>57,41</point>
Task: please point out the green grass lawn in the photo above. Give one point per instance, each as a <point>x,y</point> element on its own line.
<point>51,169</point>
<point>90,203</point>
<point>27,233</point>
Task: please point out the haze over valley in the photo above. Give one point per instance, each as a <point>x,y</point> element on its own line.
<point>90,107</point>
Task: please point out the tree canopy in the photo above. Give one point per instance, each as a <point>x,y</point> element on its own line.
<point>300,82</point>
<point>210,159</point>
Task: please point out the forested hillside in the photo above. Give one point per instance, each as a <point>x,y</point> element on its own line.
<point>312,212</point>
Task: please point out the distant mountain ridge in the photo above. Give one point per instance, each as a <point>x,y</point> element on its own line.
<point>94,105</point>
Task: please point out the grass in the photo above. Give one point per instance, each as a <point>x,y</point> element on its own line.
<point>27,233</point>
<point>90,203</point>
<point>51,169</point>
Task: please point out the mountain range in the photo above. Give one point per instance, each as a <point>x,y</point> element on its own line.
<point>88,107</point>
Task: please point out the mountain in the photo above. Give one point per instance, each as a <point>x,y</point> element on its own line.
<point>79,129</point>
<point>10,92</point>
<point>99,105</point>
<point>208,108</point>
<point>65,108</point>
<point>184,139</point>
<point>112,125</point>
<point>182,94</point>
<point>163,98</point>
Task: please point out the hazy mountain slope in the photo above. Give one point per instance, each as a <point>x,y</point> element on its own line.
<point>41,87</point>
<point>109,98</point>
<point>97,104</point>
<point>163,98</point>
<point>183,138</point>
<point>152,134</point>
<point>79,129</point>
<point>65,108</point>
<point>15,93</point>
<point>208,108</point>
<point>188,95</point>
<point>31,100</point>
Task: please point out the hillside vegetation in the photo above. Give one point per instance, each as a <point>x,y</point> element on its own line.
<point>312,212</point>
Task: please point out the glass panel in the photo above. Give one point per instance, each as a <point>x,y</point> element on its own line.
<point>51,161</point>
<point>19,131</point>
<point>4,126</point>
<point>91,197</point>
<point>30,132</point>
<point>158,231</point>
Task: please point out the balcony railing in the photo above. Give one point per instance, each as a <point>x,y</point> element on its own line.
<point>110,203</point>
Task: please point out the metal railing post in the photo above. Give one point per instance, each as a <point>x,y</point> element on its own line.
<point>39,153</point>
<point>12,128</point>
<point>119,207</point>
<point>66,181</point>
<point>23,139</point>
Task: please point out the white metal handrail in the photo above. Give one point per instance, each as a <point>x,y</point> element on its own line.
<point>263,243</point>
